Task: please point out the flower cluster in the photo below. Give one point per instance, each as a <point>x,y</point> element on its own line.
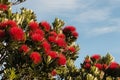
<point>45,25</point>
<point>36,45</point>
<point>114,65</point>
<point>53,54</point>
<point>17,34</point>
<point>8,23</point>
<point>61,59</point>
<point>11,28</point>
<point>3,7</point>
<point>72,49</point>
<point>95,57</point>
<point>54,72</point>
<point>47,42</point>
<point>70,30</point>
<point>113,69</point>
<point>36,57</point>
<point>96,61</point>
<point>24,48</point>
<point>37,35</point>
<point>58,39</point>
<point>33,25</point>
<point>2,33</point>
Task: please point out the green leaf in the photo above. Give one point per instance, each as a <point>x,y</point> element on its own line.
<point>57,25</point>
<point>10,73</point>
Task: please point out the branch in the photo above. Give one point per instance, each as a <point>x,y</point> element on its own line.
<point>16,2</point>
<point>2,71</point>
<point>2,58</point>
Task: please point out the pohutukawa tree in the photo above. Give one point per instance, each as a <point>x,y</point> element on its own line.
<point>31,50</point>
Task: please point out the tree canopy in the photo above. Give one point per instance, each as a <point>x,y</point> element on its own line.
<point>32,50</point>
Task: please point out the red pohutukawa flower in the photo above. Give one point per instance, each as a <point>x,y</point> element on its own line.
<point>37,37</point>
<point>53,54</point>
<point>69,28</point>
<point>33,25</point>
<point>24,48</point>
<point>2,33</point>
<point>17,34</point>
<point>11,23</point>
<point>70,31</point>
<point>36,57</point>
<point>87,66</point>
<point>114,65</point>
<point>60,42</point>
<point>75,34</point>
<point>72,49</point>
<point>39,31</point>
<point>53,73</point>
<point>99,66</point>
<point>46,46</point>
<point>61,36</point>
<point>3,25</point>
<point>53,33</point>
<point>61,59</point>
<point>3,7</point>
<point>96,57</point>
<point>105,66</point>
<point>51,38</point>
<point>45,25</point>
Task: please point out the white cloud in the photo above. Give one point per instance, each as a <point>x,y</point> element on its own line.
<point>102,30</point>
<point>113,25</point>
<point>59,4</point>
<point>93,15</point>
<point>53,5</point>
<point>85,4</point>
<point>85,12</point>
<point>64,5</point>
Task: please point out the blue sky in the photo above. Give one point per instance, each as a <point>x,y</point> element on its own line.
<point>97,21</point>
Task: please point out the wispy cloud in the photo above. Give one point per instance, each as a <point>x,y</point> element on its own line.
<point>102,30</point>
<point>59,4</point>
<point>96,11</point>
<point>83,12</point>
<point>52,6</point>
<point>93,15</point>
<point>98,20</point>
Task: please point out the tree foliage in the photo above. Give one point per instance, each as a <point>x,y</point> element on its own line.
<point>32,50</point>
